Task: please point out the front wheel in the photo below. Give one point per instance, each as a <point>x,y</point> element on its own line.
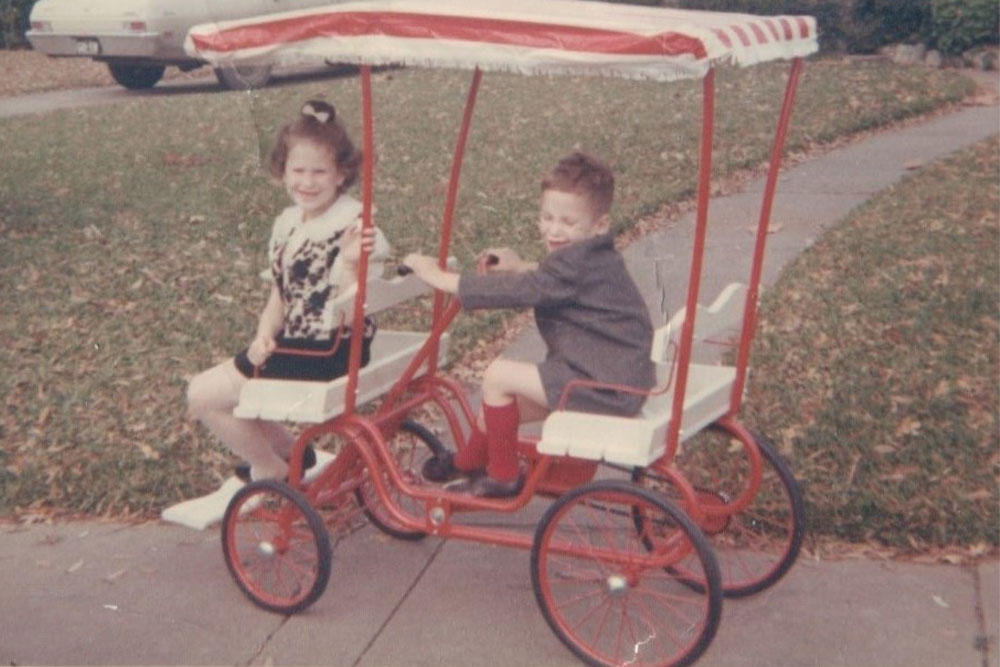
<point>607,590</point>
<point>136,77</point>
<point>243,77</point>
<point>276,547</point>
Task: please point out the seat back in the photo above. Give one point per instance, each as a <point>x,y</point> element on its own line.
<point>711,324</point>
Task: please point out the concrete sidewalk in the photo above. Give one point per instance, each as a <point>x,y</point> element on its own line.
<point>97,593</point>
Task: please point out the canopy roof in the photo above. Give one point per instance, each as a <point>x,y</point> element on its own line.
<point>526,36</point>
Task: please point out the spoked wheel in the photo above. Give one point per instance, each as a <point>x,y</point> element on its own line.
<point>755,545</point>
<point>608,591</point>
<point>276,547</point>
<point>412,445</point>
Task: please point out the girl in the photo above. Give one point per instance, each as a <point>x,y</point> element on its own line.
<point>589,312</point>
<point>314,251</point>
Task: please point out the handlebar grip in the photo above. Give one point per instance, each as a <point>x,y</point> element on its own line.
<point>492,260</point>
<point>403,270</point>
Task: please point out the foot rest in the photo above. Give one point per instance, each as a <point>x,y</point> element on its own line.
<point>639,440</point>
<point>317,402</point>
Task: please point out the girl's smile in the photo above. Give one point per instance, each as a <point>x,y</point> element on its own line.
<point>311,178</point>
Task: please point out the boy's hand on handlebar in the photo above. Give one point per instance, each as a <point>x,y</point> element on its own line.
<point>427,269</point>
<point>422,265</point>
<point>503,259</point>
<point>260,349</point>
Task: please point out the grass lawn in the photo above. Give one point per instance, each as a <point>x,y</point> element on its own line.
<point>876,363</point>
<point>133,234</point>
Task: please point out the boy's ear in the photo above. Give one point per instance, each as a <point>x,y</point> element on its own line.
<point>604,223</point>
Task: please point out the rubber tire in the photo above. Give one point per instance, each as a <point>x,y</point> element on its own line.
<point>698,542</point>
<point>798,522</point>
<point>436,447</point>
<point>317,528</point>
<point>136,77</point>
<point>246,77</point>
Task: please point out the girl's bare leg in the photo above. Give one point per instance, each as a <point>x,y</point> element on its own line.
<point>212,395</point>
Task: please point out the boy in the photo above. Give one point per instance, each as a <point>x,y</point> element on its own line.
<point>588,311</point>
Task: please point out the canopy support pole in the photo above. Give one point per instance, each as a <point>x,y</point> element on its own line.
<point>450,201</point>
<point>756,269</point>
<point>697,256</point>
<point>368,173</point>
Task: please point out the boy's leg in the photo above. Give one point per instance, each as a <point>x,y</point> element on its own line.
<point>211,397</point>
<point>507,386</point>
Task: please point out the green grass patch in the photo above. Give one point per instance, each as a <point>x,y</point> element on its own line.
<point>133,234</point>
<point>876,365</point>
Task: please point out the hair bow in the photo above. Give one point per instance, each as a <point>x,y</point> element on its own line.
<point>321,116</point>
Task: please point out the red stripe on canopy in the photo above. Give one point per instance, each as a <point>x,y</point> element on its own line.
<point>774,31</point>
<point>744,39</point>
<point>464,28</point>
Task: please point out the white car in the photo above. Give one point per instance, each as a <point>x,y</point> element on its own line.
<point>138,39</point>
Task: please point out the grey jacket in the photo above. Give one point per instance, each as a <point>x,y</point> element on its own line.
<point>591,316</point>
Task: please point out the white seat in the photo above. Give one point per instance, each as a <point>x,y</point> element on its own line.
<point>316,402</point>
<point>640,440</point>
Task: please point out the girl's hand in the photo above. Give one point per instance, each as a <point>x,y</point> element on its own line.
<point>260,349</point>
<point>352,242</point>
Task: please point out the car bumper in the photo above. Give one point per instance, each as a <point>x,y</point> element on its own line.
<point>142,45</point>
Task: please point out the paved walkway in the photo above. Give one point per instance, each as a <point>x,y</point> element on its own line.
<point>97,593</point>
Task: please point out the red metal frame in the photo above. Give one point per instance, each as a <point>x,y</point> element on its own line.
<point>697,255</point>
<point>756,270</point>
<point>366,436</point>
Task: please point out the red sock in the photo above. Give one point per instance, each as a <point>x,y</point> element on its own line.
<point>473,455</point>
<point>501,436</point>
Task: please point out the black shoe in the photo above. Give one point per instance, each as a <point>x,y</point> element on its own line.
<point>442,468</point>
<point>242,470</point>
<point>487,487</point>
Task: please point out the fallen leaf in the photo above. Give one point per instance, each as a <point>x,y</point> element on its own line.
<point>939,601</point>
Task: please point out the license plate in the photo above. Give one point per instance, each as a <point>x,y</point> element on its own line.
<point>88,47</point>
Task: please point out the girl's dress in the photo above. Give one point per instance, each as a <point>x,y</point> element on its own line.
<point>307,270</point>
<point>590,315</point>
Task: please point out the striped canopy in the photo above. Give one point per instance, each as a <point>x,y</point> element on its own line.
<point>526,36</point>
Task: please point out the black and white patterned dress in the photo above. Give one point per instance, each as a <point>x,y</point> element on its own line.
<point>307,270</point>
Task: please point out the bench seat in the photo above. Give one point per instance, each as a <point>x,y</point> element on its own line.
<point>316,402</point>
<point>640,440</point>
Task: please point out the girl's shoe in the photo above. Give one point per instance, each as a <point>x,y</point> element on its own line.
<point>242,470</point>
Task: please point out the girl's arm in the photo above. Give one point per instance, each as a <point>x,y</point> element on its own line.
<point>270,324</point>
<point>427,269</point>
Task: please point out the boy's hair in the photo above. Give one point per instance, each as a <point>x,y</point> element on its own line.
<point>318,122</point>
<point>584,175</point>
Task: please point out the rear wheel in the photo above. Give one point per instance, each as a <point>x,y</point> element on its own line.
<point>607,590</point>
<point>136,77</point>
<point>276,547</point>
<point>411,446</point>
<point>243,77</point>
<point>755,545</point>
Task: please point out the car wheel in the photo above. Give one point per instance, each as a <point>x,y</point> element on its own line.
<point>244,77</point>
<point>136,77</point>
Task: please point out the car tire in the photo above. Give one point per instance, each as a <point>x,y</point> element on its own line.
<point>136,77</point>
<point>244,77</point>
